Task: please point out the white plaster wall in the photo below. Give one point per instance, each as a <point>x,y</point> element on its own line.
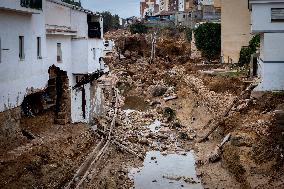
<point>80,56</point>
<point>97,46</point>
<point>274,47</point>
<point>86,54</point>
<point>271,76</point>
<point>19,78</point>
<point>79,23</point>
<point>51,44</point>
<point>271,70</point>
<point>57,14</point>
<point>261,17</point>
<point>76,103</point>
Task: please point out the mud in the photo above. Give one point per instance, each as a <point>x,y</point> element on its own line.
<point>165,133</point>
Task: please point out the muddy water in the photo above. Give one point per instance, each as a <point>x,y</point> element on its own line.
<point>172,171</point>
<point>135,103</point>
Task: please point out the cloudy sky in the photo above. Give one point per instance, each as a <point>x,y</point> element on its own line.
<point>124,8</point>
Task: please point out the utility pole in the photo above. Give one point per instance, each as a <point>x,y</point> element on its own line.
<point>153,49</point>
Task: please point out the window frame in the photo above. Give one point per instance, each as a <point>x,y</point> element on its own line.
<point>273,20</point>
<point>22,48</point>
<point>59,52</point>
<point>38,44</point>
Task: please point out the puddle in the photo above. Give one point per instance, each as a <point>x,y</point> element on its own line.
<point>135,103</point>
<point>172,171</point>
<point>155,127</point>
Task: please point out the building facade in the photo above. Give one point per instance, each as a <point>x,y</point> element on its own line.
<point>148,8</point>
<point>235,29</point>
<point>22,67</point>
<point>52,52</point>
<point>267,20</point>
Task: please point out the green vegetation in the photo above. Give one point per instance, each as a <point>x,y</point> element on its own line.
<point>138,27</point>
<point>111,22</point>
<point>208,40</point>
<point>246,52</point>
<point>72,2</point>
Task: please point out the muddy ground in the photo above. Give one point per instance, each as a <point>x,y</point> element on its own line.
<point>149,121</point>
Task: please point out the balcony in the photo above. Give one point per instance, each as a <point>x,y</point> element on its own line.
<point>22,6</point>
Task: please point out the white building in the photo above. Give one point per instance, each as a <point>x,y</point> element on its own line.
<point>181,5</point>
<point>267,18</point>
<point>52,47</point>
<point>22,52</point>
<point>76,35</point>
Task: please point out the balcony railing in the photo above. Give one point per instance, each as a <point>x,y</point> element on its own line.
<point>33,4</point>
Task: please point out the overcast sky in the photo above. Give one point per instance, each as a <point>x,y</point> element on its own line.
<point>124,8</point>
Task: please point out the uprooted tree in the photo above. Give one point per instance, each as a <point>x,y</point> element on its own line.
<point>208,40</point>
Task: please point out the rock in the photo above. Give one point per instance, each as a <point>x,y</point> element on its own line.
<point>158,91</point>
<point>127,54</point>
<point>144,141</point>
<point>183,136</point>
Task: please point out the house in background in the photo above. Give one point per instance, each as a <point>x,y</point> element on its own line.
<point>235,29</point>
<point>50,56</point>
<point>267,18</point>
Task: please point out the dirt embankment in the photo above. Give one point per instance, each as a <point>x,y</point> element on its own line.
<point>48,156</point>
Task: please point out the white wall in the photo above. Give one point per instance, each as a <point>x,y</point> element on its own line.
<point>271,70</point>
<point>51,45</point>
<point>274,47</point>
<point>19,78</point>
<point>261,18</point>
<point>79,23</point>
<point>271,76</point>
<point>57,14</point>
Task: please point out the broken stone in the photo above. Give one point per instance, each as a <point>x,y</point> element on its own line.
<point>183,136</point>
<point>127,54</point>
<point>158,91</point>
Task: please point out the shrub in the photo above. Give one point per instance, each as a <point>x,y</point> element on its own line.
<point>208,40</point>
<point>246,52</point>
<point>138,28</point>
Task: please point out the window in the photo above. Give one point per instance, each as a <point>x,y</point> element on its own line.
<point>277,15</point>
<point>21,48</point>
<point>59,52</point>
<point>38,43</point>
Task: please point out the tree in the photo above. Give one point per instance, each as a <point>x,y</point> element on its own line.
<point>138,27</point>
<point>111,22</point>
<point>72,2</point>
<point>246,52</point>
<point>208,40</point>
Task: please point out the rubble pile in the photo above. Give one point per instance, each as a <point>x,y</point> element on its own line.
<point>216,103</point>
